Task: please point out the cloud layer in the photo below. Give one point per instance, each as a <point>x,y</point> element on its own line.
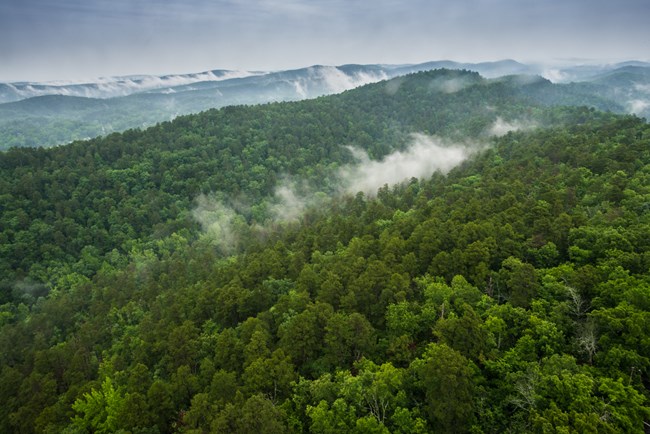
<point>110,87</point>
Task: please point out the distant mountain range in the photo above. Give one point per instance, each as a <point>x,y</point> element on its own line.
<point>46,114</point>
<point>111,87</point>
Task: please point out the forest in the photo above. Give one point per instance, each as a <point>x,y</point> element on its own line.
<point>57,115</point>
<point>508,294</point>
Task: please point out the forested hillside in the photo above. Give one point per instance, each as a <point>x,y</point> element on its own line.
<point>60,113</point>
<point>511,294</point>
<point>89,198</point>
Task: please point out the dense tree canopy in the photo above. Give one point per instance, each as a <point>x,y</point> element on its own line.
<point>510,295</point>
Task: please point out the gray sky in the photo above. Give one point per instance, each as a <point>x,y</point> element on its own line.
<point>77,39</point>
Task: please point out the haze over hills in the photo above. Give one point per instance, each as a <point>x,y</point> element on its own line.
<point>46,114</point>
<point>110,87</point>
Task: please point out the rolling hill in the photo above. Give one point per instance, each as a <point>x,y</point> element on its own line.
<point>439,252</point>
<point>56,114</point>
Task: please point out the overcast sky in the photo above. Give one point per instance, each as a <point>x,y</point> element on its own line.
<point>78,39</point>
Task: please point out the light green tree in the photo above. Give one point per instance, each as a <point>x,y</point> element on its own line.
<point>99,410</point>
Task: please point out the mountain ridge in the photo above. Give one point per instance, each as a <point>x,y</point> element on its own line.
<point>126,85</point>
<point>48,122</point>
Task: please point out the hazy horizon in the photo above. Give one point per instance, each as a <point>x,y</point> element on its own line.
<point>77,40</point>
<point>542,67</point>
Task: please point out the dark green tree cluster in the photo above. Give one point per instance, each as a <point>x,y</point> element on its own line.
<point>511,295</point>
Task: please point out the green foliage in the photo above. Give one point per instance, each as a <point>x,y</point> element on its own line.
<point>100,410</point>
<point>446,379</point>
<point>510,295</point>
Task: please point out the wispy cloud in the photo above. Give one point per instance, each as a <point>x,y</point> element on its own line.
<point>556,75</point>
<point>501,127</point>
<point>291,199</point>
<point>638,106</point>
<point>421,159</point>
<point>450,85</point>
<point>338,81</point>
<point>218,221</point>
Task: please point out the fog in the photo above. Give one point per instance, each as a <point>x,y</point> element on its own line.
<point>450,85</point>
<point>338,81</point>
<point>330,79</point>
<point>638,106</point>
<point>501,127</point>
<point>290,200</point>
<point>424,156</point>
<point>219,222</point>
<point>110,87</point>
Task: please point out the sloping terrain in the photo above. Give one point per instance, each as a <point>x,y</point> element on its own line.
<point>505,293</point>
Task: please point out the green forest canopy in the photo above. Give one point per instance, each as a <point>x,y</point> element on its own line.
<point>510,295</point>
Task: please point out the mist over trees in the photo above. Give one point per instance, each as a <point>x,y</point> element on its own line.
<point>49,114</point>
<point>150,284</point>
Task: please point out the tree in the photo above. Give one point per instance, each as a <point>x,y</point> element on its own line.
<point>271,376</point>
<point>223,387</point>
<point>520,280</point>
<point>162,408</point>
<point>445,377</point>
<point>465,334</point>
<point>101,409</point>
<point>379,388</point>
<point>326,419</point>
<point>301,335</point>
<point>348,338</point>
<point>256,414</point>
